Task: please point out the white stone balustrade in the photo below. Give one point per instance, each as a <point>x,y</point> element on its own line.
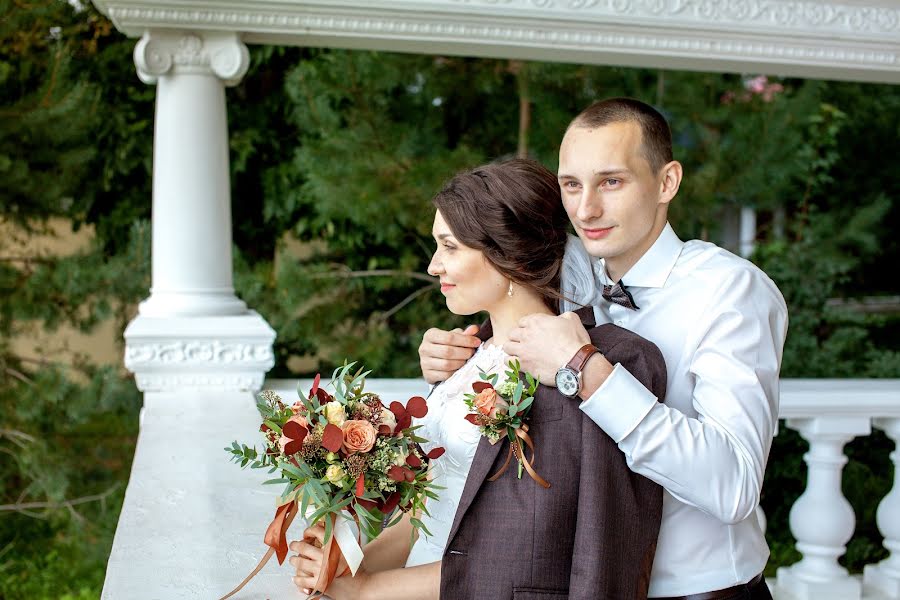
<point>884,577</point>
<point>828,414</point>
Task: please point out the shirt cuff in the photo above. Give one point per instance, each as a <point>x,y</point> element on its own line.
<point>619,404</point>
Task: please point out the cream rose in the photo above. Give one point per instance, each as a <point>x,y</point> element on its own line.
<point>387,418</point>
<point>334,412</point>
<point>334,474</point>
<point>359,436</point>
<point>400,459</point>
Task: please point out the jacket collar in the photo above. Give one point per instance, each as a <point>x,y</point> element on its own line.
<point>486,454</point>
<point>653,268</point>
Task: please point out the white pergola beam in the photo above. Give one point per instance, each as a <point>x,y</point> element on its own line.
<point>853,40</point>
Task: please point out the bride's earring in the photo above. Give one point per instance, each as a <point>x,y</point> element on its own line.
<point>509,291</point>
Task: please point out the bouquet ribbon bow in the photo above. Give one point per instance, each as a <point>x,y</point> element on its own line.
<point>348,547</point>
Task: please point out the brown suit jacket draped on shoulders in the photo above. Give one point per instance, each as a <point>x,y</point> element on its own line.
<point>592,534</point>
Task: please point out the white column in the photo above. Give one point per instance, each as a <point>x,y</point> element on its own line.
<point>193,332</point>
<point>884,578</point>
<point>822,520</point>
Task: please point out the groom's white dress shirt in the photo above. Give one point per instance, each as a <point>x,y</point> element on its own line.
<point>720,323</point>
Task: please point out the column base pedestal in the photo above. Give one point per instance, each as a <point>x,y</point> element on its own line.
<point>797,587</point>
<point>223,353</point>
<point>882,580</point>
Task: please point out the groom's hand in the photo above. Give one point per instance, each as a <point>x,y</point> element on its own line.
<point>544,343</point>
<point>442,353</point>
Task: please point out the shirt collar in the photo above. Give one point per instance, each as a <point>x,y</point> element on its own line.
<point>653,268</point>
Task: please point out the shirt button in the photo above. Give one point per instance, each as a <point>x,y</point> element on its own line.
<point>620,322</point>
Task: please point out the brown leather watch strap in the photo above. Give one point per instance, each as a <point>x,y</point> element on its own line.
<point>581,357</point>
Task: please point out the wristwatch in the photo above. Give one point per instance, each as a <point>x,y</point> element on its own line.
<point>568,378</point>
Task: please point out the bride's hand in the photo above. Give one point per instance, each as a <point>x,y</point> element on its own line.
<point>308,563</point>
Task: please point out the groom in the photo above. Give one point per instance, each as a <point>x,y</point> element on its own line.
<point>720,323</point>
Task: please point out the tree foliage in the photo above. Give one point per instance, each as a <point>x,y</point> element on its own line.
<point>340,152</point>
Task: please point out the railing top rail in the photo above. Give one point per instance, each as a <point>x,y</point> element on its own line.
<point>799,397</point>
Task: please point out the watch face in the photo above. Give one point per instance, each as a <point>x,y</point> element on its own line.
<point>567,382</point>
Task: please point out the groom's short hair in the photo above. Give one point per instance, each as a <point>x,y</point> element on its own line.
<point>656,137</point>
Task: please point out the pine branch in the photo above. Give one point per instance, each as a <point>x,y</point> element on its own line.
<point>26,259</point>
<point>18,437</point>
<point>374,273</point>
<point>18,375</point>
<point>26,507</point>
<point>388,313</point>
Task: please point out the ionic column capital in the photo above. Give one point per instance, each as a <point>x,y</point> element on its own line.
<point>168,52</point>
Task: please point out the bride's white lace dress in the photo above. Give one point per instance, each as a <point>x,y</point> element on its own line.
<point>445,425</point>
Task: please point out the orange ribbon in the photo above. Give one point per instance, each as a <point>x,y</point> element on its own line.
<point>275,538</point>
<point>516,448</point>
<point>331,558</point>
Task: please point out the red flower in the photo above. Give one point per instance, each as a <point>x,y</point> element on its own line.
<point>292,435</point>
<point>480,386</point>
<point>401,473</point>
<point>323,396</point>
<point>415,407</point>
<point>332,438</point>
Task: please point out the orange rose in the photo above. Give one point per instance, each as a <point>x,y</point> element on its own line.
<point>486,402</point>
<point>359,436</point>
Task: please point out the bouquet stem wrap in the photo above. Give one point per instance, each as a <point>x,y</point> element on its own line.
<point>275,538</point>
<point>343,543</point>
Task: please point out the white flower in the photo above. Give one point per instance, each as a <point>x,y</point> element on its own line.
<point>334,474</point>
<point>387,418</point>
<point>334,412</point>
<point>400,459</point>
<point>507,388</point>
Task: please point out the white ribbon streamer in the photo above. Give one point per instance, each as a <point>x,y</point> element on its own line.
<point>345,536</point>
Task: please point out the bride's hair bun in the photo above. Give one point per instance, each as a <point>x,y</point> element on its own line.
<point>511,211</point>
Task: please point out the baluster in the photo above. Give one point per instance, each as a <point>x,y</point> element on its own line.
<point>821,519</point>
<point>884,577</point>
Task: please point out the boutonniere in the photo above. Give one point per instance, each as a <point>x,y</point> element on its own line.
<point>499,410</point>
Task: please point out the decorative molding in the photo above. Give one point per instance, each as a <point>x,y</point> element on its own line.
<point>197,352</point>
<point>158,382</point>
<point>159,53</point>
<point>779,13</point>
<point>821,18</point>
<point>219,353</point>
<point>804,38</point>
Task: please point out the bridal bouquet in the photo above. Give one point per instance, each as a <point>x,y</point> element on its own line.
<point>499,411</point>
<point>343,458</point>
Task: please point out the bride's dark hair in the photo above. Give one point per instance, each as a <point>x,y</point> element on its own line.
<point>513,213</point>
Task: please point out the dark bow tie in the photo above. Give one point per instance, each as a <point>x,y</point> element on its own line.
<point>619,295</point>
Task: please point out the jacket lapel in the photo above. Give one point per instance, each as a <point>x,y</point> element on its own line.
<point>485,457</point>
<point>486,454</point>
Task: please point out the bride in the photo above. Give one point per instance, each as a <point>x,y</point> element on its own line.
<point>500,231</point>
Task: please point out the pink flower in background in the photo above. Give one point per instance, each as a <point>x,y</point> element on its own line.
<point>757,85</point>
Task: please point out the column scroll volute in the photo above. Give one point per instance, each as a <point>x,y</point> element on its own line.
<point>164,52</point>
